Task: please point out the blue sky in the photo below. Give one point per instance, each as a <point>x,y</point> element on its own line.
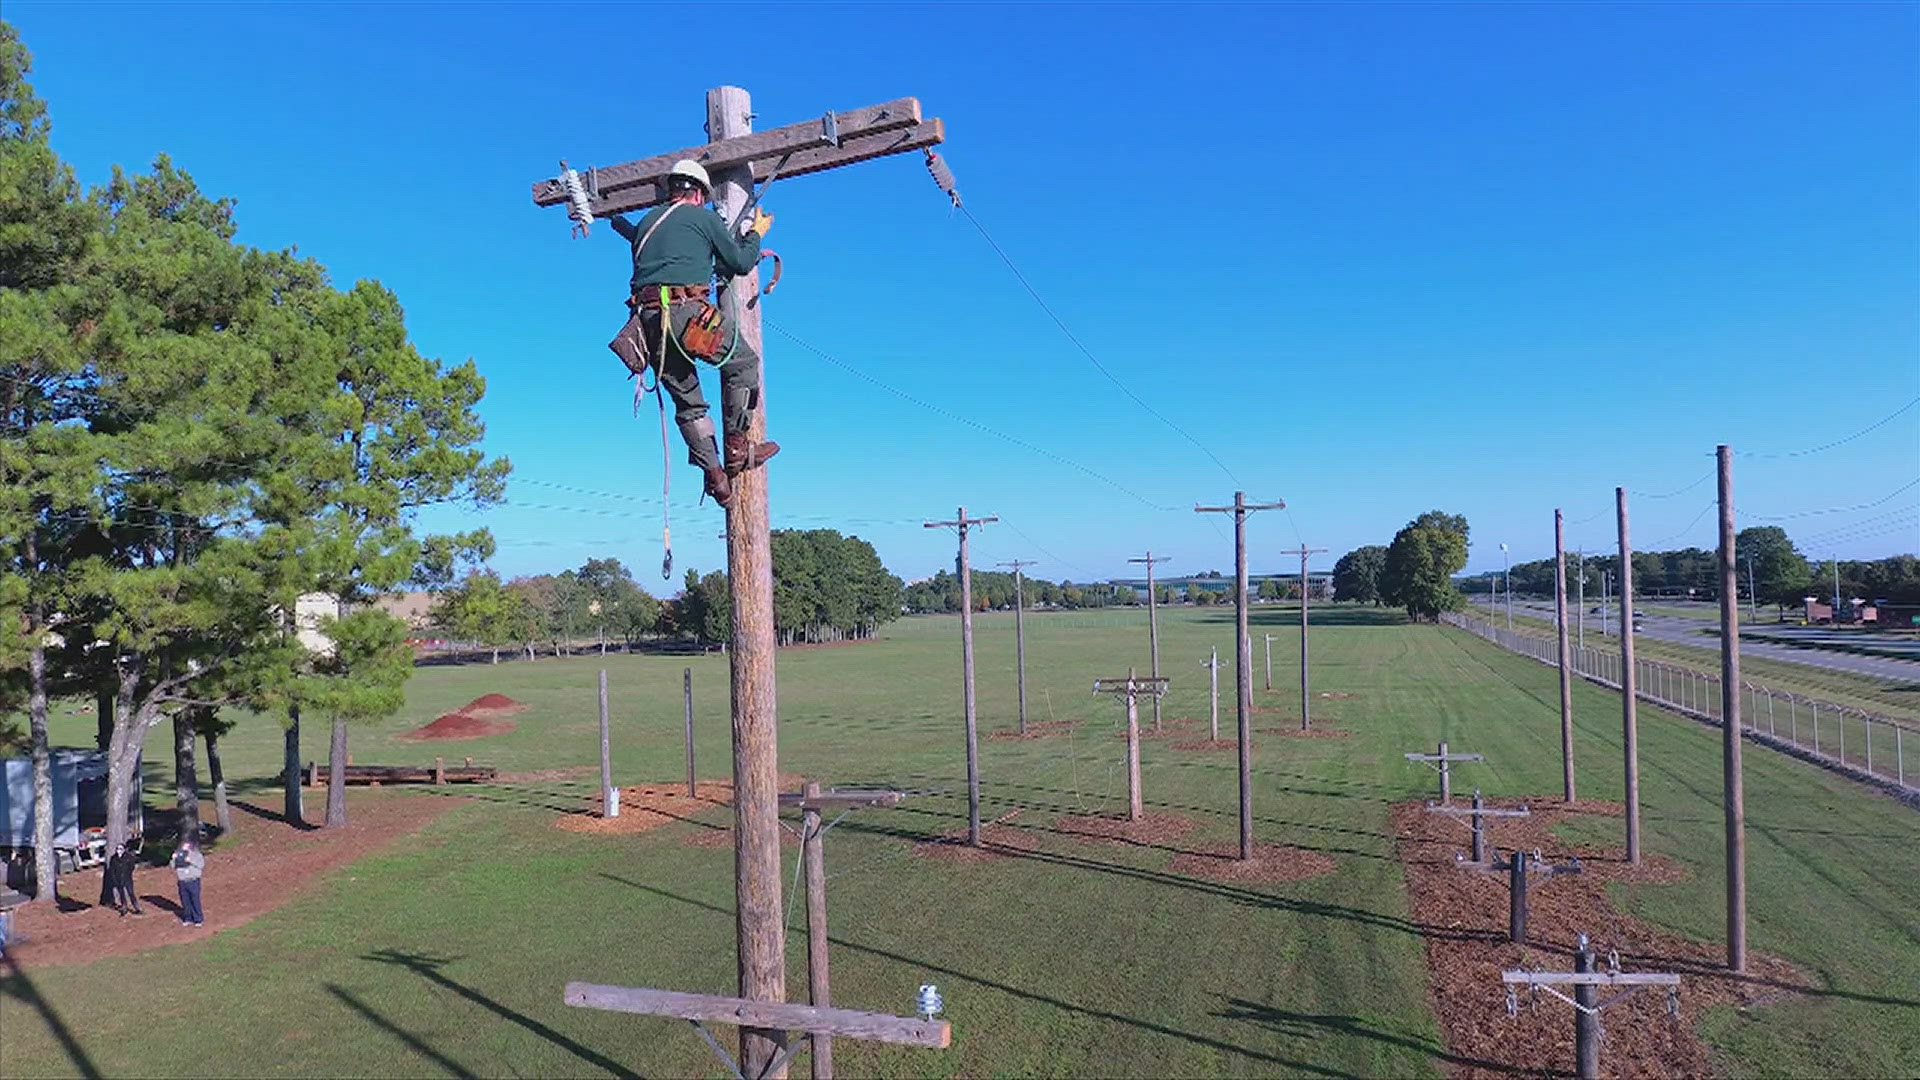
<point>1376,259</point>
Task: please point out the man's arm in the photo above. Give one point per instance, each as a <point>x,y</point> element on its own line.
<point>733,257</point>
<point>622,226</point>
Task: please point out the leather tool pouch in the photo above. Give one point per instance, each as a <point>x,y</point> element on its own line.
<point>705,334</point>
<point>630,345</point>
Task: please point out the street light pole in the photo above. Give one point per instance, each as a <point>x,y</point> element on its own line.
<point>1506,569</point>
<point>1581,607</point>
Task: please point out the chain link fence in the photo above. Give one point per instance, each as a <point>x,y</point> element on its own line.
<point>1860,743</point>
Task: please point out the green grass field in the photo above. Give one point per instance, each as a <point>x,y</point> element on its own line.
<point>446,954</point>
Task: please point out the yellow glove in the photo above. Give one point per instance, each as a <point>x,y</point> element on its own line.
<point>762,221</point>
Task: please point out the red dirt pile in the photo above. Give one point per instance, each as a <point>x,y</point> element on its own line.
<point>477,719</point>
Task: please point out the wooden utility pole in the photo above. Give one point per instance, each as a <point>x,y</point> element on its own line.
<point>1020,634</point>
<point>1305,696</point>
<point>814,856</point>
<point>736,158</point>
<point>1242,654</point>
<point>1132,687</point>
<point>1213,694</point>
<point>686,684</point>
<point>1629,688</point>
<point>609,803</point>
<point>1269,645</point>
<point>1734,789</point>
<point>1566,665</point>
<point>961,522</point>
<point>1153,627</point>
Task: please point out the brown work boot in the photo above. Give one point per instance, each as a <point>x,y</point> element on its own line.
<point>719,487</point>
<point>744,454</point>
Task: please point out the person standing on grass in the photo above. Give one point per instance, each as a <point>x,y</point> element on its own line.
<point>119,884</point>
<point>188,862</point>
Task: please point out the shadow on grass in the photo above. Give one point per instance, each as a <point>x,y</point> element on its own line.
<point>265,814</point>
<point>920,964</point>
<point>419,1045</point>
<point>18,985</point>
<point>428,968</point>
<point>1310,1026</point>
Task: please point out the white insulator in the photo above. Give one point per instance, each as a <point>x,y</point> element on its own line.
<point>929,1002</point>
<point>579,207</point>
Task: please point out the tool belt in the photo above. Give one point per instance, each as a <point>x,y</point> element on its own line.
<point>648,296</point>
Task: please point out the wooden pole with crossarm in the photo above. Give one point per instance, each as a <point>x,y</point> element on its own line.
<point>737,158</point>
<point>965,570</point>
<point>1242,654</point>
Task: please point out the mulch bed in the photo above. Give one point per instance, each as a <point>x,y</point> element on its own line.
<point>1152,830</point>
<point>477,719</point>
<point>998,840</point>
<point>645,807</point>
<point>1038,729</point>
<point>242,880</point>
<point>1462,913</point>
<point>1318,731</point>
<point>1270,863</point>
<point>1205,744</point>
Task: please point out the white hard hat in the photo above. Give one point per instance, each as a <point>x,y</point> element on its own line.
<point>692,170</point>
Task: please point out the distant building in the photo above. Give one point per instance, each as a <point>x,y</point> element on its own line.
<point>413,608</point>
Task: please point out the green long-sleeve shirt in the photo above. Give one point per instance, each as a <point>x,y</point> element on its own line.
<point>691,247</point>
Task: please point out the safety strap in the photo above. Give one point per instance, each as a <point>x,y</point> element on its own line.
<point>666,452</point>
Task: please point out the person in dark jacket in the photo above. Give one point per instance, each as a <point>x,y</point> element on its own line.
<point>119,881</point>
<point>678,249</point>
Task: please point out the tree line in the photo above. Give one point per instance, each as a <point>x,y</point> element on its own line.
<point>826,587</point>
<point>193,434</point>
<point>994,590</point>
<point>1767,566</point>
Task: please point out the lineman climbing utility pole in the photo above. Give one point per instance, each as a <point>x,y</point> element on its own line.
<point>1153,627</point>
<point>1305,696</point>
<point>966,668</point>
<point>1242,654</point>
<point>736,158</point>
<point>1020,635</point>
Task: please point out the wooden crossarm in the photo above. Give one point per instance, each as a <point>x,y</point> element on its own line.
<point>891,127</point>
<point>1591,978</point>
<point>778,1016</point>
<point>1446,757</point>
<point>838,799</point>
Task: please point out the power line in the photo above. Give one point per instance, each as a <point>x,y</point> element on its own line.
<point>1887,498</point>
<point>1869,429</point>
<point>1084,351</point>
<point>957,418</point>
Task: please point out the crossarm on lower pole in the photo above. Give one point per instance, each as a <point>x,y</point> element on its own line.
<point>851,1023</point>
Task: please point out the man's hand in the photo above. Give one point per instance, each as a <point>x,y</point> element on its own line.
<point>762,221</point>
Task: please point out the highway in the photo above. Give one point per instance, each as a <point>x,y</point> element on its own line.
<point>1688,631</point>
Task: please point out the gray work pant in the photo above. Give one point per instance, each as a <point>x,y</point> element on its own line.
<point>739,380</point>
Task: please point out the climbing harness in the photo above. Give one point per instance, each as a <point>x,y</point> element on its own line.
<point>579,198</point>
